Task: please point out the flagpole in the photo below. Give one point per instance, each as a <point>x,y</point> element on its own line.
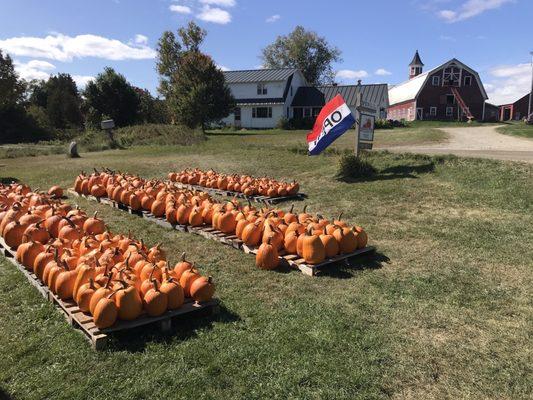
<point>357,122</point>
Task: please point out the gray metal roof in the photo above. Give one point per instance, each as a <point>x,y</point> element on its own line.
<point>317,96</point>
<point>259,75</point>
<point>272,100</point>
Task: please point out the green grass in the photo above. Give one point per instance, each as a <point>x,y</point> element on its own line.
<point>517,129</point>
<point>443,311</point>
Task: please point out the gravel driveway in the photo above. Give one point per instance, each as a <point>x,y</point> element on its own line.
<point>482,141</point>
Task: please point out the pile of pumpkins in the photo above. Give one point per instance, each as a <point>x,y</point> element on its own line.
<point>112,277</point>
<point>246,184</point>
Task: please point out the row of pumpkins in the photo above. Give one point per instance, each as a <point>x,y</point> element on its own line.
<point>246,184</point>
<point>109,276</point>
<point>312,237</point>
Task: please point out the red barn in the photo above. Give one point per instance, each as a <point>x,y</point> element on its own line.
<point>451,91</point>
<point>515,111</point>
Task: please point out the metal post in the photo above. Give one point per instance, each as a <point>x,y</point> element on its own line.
<point>531,91</point>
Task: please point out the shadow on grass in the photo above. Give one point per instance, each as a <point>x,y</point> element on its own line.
<point>7,181</point>
<point>397,172</point>
<point>4,395</point>
<point>235,133</point>
<point>349,267</point>
<point>135,340</point>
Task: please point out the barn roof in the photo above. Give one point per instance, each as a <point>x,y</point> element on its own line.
<point>259,75</point>
<point>317,96</point>
<point>410,89</point>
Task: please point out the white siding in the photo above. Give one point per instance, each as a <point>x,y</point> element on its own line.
<point>249,90</point>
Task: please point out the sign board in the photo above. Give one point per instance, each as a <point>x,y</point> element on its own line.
<point>107,124</point>
<point>365,145</point>
<point>366,127</point>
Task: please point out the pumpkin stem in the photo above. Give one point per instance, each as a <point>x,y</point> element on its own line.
<point>340,216</point>
<point>292,209</point>
<point>305,208</point>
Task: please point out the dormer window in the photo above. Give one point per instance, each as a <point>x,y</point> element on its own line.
<point>261,89</point>
<point>467,81</point>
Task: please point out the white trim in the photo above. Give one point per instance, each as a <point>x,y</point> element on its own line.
<point>433,80</point>
<point>431,113</point>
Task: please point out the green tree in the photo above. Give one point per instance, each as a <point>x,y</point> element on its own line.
<point>11,87</point>
<point>304,50</point>
<point>151,109</point>
<point>60,99</point>
<point>168,55</point>
<point>200,94</point>
<point>110,95</point>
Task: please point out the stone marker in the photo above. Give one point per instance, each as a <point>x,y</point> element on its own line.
<point>73,150</point>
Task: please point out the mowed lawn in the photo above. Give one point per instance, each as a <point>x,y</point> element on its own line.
<point>443,310</point>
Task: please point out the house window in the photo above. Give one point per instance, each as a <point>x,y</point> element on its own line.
<point>432,111</point>
<point>450,99</point>
<point>435,81</point>
<point>449,111</point>
<point>467,81</point>
<point>237,113</point>
<point>262,112</point>
<point>261,88</point>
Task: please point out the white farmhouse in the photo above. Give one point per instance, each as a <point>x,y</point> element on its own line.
<point>264,96</point>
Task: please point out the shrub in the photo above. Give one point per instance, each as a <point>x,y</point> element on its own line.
<point>352,168</point>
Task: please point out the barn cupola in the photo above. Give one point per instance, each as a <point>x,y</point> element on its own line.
<point>415,67</point>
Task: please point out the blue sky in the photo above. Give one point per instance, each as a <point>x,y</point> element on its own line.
<point>377,38</point>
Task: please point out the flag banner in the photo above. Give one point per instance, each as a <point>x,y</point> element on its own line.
<point>334,119</point>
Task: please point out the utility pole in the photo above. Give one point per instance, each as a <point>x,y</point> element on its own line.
<point>531,91</point>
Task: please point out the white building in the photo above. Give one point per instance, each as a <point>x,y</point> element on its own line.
<point>264,96</point>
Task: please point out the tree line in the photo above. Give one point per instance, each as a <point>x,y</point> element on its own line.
<point>192,89</point>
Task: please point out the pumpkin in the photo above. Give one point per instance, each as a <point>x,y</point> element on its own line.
<point>174,293</point>
<point>346,239</point>
<point>181,267</point>
<point>27,252</point>
<point>331,246</point>
<point>202,289</point>
<point>64,284</point>
<point>13,233</point>
<point>105,312</point>
<point>94,225</point>
<point>84,295</point>
<point>267,256</point>
<point>155,302</point>
<point>313,251</point>
<point>362,237</point>
<point>36,233</point>
<point>41,260</point>
<point>251,234</point>
<point>290,242</point>
<point>187,278</point>
<point>128,302</point>
<point>99,294</point>
<point>55,192</point>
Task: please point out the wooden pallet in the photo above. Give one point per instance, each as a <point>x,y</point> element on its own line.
<point>230,193</point>
<point>206,231</point>
<point>84,322</point>
<point>295,261</point>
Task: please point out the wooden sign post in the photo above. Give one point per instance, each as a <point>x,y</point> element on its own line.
<point>364,125</point>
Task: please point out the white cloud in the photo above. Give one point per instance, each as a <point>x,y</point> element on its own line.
<point>38,69</point>
<point>509,83</point>
<point>273,18</point>
<point>177,8</point>
<point>222,67</point>
<point>215,15</point>
<point>34,69</point>
<point>66,48</point>
<point>82,80</point>
<point>471,8</point>
<point>348,74</point>
<point>382,72</point>
<point>141,39</point>
<point>221,3</point>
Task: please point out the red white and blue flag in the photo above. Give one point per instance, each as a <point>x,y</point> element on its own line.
<point>334,119</point>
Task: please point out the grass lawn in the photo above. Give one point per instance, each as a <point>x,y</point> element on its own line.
<point>517,129</point>
<point>443,310</point>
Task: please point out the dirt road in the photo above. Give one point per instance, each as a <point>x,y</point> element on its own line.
<point>482,141</point>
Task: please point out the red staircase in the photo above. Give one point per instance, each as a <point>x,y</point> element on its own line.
<point>462,104</point>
